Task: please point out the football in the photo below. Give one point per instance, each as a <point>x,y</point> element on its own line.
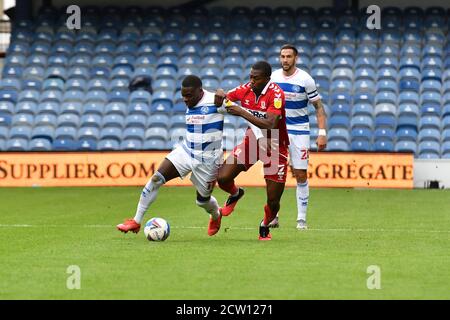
<point>157,229</point>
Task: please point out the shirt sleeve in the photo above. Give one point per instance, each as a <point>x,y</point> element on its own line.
<point>311,89</point>
<point>235,94</point>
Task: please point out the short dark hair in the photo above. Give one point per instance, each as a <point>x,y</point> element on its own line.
<point>192,81</point>
<point>290,46</point>
<point>264,66</point>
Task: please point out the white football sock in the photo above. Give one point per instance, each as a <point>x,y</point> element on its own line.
<point>302,200</point>
<point>148,195</point>
<point>211,207</point>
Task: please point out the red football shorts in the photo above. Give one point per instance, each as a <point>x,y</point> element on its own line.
<point>275,162</point>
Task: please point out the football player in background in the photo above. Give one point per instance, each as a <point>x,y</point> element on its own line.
<point>299,88</point>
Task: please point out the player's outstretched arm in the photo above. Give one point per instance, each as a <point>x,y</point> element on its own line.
<point>322,123</point>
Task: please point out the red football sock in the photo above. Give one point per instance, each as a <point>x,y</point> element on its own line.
<point>268,215</point>
<point>230,188</point>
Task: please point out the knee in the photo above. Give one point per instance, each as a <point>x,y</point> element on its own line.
<point>301,176</point>
<point>222,180</point>
<point>274,204</point>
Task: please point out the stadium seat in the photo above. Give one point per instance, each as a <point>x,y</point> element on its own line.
<point>64,145</point>
<point>108,145</point>
<point>155,144</point>
<point>384,146</point>
<point>360,145</point>
<point>16,145</point>
<point>338,145</point>
<point>406,146</point>
<point>40,145</point>
<point>429,134</point>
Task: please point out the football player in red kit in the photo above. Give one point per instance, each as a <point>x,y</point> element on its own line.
<point>266,139</point>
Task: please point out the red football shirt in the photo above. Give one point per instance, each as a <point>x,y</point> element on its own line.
<point>271,100</point>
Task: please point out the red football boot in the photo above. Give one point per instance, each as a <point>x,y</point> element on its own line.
<point>129,225</point>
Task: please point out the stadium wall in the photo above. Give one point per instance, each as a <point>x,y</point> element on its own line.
<point>326,169</point>
<point>426,171</point>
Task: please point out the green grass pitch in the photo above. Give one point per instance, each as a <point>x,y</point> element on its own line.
<point>405,233</point>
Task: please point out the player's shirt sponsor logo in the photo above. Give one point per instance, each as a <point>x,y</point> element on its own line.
<point>277,103</point>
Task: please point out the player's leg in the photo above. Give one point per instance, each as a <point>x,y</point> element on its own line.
<point>274,191</point>
<point>299,151</point>
<point>176,164</point>
<point>229,170</point>
<point>204,179</point>
<point>302,193</point>
<point>166,172</point>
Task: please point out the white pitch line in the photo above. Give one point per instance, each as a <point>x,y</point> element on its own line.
<point>228,228</point>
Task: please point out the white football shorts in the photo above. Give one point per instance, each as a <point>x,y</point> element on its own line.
<point>203,173</point>
<point>299,151</point>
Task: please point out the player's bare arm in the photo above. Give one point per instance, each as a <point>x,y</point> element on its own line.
<point>219,97</point>
<point>322,123</point>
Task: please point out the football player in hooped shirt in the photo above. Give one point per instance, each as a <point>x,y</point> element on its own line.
<point>266,139</point>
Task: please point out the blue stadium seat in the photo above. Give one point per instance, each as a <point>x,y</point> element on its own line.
<point>387,73</point>
<point>409,85</point>
<point>6,108</point>
<point>339,134</point>
<point>360,145</point>
<point>139,108</point>
<point>428,147</point>
<point>66,132</point>
<point>362,121</point>
<point>108,144</point>
<point>406,146</point>
<point>384,146</point>
<point>429,122</point>
<point>26,95</point>
<point>158,120</point>
<point>408,97</point>
<point>119,108</point>
<point>407,134</point>
<point>131,144</point>
<point>431,86</point>
<point>111,133</point>
<point>361,134</point>
<point>340,109</point>
<point>88,133</point>
<point>94,107</point>
<point>64,145</point>
<point>20,132</point>
<point>136,120</point>
<point>20,120</point>
<point>445,148</point>
<point>43,132</point>
<point>45,119</point>
<point>134,133</point>
<point>407,121</point>
<point>16,145</point>
<point>386,97</point>
<point>429,134</point>
<point>113,121</point>
<point>384,133</point>
<point>365,73</point>
<point>68,119</point>
<point>155,144</point>
<point>339,121</point>
<point>408,109</point>
<point>387,85</point>
<point>40,145</point>
<point>177,120</point>
<point>157,133</point>
<point>385,120</point>
<point>86,145</point>
<point>338,145</point>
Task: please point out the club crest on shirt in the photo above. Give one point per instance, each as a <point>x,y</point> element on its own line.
<point>296,88</point>
<point>277,103</point>
<point>205,110</point>
<point>263,105</point>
